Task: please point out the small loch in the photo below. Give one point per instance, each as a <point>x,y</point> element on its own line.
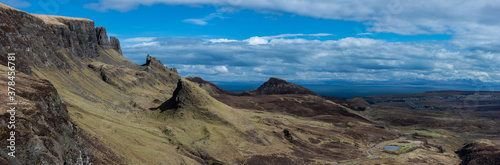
<point>391,147</point>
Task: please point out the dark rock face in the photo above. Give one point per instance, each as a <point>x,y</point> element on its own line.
<point>45,134</point>
<point>115,44</point>
<point>102,37</point>
<point>479,153</point>
<point>152,61</point>
<point>77,35</point>
<point>38,42</point>
<point>276,86</point>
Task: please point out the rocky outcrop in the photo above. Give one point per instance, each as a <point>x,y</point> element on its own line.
<point>44,132</point>
<point>102,37</point>
<point>479,152</point>
<point>277,86</point>
<point>152,61</point>
<point>115,44</point>
<point>186,95</point>
<point>152,73</point>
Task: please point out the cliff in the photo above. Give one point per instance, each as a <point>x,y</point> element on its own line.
<point>44,132</point>
<point>40,38</point>
<point>72,79</point>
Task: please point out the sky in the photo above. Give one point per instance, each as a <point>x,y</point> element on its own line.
<point>312,41</point>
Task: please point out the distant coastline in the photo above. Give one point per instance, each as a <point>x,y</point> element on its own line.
<point>350,91</point>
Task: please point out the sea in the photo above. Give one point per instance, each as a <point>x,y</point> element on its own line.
<point>350,91</point>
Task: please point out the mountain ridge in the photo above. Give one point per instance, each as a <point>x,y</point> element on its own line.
<point>148,114</point>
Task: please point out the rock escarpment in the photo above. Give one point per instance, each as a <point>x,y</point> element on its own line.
<point>115,44</point>
<point>39,39</point>
<point>102,37</point>
<point>54,48</point>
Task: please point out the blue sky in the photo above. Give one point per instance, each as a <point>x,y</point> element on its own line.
<point>299,40</point>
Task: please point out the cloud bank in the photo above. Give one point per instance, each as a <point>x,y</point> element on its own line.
<point>472,52</point>
<point>473,24</point>
<point>350,59</point>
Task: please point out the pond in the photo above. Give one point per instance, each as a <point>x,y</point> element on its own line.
<point>391,148</point>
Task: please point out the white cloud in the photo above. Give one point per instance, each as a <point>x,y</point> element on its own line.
<point>358,42</point>
<point>320,34</point>
<point>361,34</point>
<point>221,40</point>
<point>203,69</point>
<point>257,40</point>
<point>196,21</point>
<point>139,39</point>
<point>204,20</point>
<point>473,24</point>
<point>222,69</point>
<point>143,44</point>
<point>350,59</point>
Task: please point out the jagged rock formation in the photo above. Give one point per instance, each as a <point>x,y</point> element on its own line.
<point>115,44</point>
<point>186,95</point>
<point>102,37</point>
<point>479,152</point>
<point>45,134</point>
<point>277,86</point>
<point>153,73</point>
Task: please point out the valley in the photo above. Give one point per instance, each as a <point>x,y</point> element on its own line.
<point>82,102</point>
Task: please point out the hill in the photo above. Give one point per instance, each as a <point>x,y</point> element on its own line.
<point>279,86</point>
<point>81,102</point>
<point>129,113</point>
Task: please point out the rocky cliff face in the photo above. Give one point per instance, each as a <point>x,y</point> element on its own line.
<point>38,39</point>
<point>102,38</point>
<point>48,47</point>
<point>115,44</point>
